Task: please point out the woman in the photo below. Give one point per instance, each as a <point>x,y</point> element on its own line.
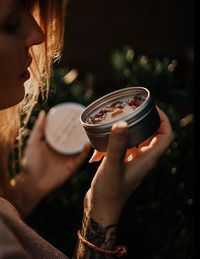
<point>31,35</point>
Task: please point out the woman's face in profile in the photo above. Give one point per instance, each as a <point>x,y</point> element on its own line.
<point>18,32</point>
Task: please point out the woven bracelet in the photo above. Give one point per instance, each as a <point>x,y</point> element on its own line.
<point>119,250</point>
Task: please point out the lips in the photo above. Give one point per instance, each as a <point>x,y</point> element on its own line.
<point>28,63</point>
<point>26,74</point>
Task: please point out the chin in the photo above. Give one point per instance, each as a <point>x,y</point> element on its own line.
<point>20,98</point>
<point>9,102</point>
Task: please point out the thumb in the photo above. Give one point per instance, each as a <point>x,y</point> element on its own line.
<point>117,144</point>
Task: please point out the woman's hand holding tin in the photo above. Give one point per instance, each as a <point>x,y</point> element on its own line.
<point>44,170</point>
<point>115,179</point>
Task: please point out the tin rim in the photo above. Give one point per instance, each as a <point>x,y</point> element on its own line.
<point>132,118</point>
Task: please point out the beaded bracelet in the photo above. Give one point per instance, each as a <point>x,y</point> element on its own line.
<point>119,250</point>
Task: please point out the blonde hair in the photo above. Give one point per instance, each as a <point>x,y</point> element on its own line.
<point>49,15</point>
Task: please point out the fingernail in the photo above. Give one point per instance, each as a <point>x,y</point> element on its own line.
<point>119,127</point>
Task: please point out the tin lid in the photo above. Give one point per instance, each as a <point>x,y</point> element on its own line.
<point>135,117</point>
<point>63,131</point>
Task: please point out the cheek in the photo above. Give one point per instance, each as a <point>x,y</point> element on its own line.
<point>11,85</point>
<point>11,88</point>
<point>10,60</point>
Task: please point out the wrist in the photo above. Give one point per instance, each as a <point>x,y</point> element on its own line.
<point>104,212</point>
<point>101,216</point>
<point>98,232</point>
<point>118,251</point>
<point>100,237</point>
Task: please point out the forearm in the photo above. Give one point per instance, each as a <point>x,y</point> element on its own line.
<point>97,233</point>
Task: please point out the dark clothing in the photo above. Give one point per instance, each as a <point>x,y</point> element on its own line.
<point>18,240</point>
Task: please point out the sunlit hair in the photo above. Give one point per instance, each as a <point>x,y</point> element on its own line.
<point>49,14</point>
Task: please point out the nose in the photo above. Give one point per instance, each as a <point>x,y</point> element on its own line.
<point>33,33</point>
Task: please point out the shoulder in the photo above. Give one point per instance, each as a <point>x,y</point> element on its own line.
<point>9,245</point>
<point>6,208</point>
<point>18,237</point>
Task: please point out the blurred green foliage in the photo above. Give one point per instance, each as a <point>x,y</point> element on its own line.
<point>158,220</point>
<point>158,75</point>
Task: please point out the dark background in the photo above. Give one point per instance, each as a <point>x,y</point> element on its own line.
<point>158,221</point>
<point>151,27</point>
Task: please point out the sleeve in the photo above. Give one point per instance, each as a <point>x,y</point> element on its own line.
<point>18,240</point>
<point>9,246</point>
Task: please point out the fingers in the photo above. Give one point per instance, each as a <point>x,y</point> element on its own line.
<point>38,129</point>
<point>148,146</point>
<point>117,143</point>
<point>97,156</point>
<point>165,127</point>
<point>162,139</point>
<point>159,140</point>
<point>165,133</point>
<point>130,154</point>
<point>157,144</point>
<point>118,135</point>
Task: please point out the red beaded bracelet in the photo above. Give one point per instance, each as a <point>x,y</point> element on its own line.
<point>119,251</point>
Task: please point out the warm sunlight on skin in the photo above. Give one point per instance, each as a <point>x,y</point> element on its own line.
<point>143,147</point>
<point>97,156</point>
<point>148,147</point>
<point>130,153</point>
<point>130,158</point>
<point>158,142</point>
<point>18,33</point>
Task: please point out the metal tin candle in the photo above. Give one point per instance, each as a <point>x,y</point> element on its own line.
<point>133,105</point>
